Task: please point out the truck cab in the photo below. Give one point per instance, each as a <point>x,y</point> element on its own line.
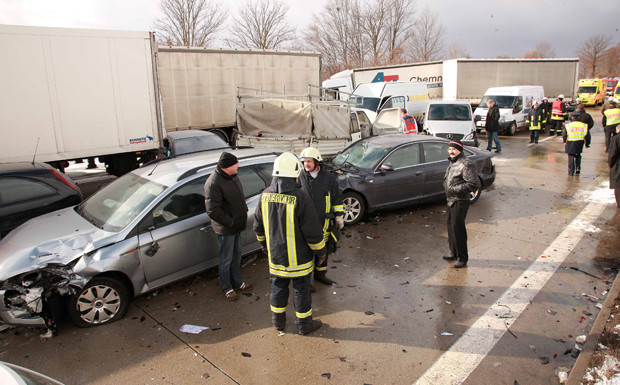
<point>592,92</point>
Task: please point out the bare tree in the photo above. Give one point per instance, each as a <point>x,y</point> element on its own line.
<point>591,52</point>
<point>261,24</point>
<point>541,51</point>
<point>610,62</point>
<point>455,51</point>
<point>190,23</point>
<point>427,37</point>
<point>399,21</point>
<point>374,18</point>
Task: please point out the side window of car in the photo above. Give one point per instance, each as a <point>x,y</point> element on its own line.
<point>404,157</point>
<point>519,104</point>
<point>435,151</point>
<point>252,183</point>
<point>185,202</point>
<point>14,189</point>
<point>266,169</point>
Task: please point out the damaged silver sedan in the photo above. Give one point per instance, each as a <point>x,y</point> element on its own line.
<point>145,230</point>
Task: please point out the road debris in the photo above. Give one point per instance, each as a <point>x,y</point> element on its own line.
<point>368,312</point>
<point>581,339</point>
<point>326,375</point>
<point>244,354</point>
<point>446,334</point>
<point>192,329</point>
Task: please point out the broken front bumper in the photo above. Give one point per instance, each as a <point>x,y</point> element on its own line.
<point>13,316</point>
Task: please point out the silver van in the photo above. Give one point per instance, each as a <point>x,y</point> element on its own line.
<point>451,120</point>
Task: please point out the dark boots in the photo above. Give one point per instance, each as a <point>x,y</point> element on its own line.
<point>308,325</point>
<point>322,277</point>
<point>279,320</point>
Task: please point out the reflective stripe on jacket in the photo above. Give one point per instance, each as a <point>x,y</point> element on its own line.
<point>410,126</point>
<point>286,221</point>
<point>576,131</point>
<point>612,116</point>
<point>535,118</point>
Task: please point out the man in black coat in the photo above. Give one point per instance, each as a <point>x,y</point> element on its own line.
<point>492,126</point>
<point>575,134</point>
<point>225,204</point>
<point>614,166</point>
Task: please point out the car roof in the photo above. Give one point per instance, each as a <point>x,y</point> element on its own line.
<point>23,166</point>
<point>393,139</point>
<point>188,133</point>
<point>449,102</point>
<point>170,171</point>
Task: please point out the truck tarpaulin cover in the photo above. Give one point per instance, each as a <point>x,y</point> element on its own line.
<point>293,119</point>
<point>275,117</point>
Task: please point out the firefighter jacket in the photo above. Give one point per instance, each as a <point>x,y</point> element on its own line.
<point>535,117</point>
<point>546,107</point>
<point>225,203</point>
<point>612,116</point>
<point>410,126</point>
<point>287,223</point>
<point>558,110</point>
<point>460,180</point>
<point>574,135</point>
<point>327,199</point>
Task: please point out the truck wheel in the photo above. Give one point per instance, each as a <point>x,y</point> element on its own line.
<point>512,129</point>
<point>354,207</point>
<point>102,300</point>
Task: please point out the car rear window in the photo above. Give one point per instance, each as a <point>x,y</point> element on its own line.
<point>16,189</point>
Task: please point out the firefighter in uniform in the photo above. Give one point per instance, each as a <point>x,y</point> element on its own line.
<point>288,228</point>
<point>575,134</point>
<point>534,120</point>
<point>546,107</point>
<point>327,198</point>
<point>410,125</point>
<point>558,115</point>
<point>611,119</point>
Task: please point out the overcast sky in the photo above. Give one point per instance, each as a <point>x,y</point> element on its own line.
<point>485,28</point>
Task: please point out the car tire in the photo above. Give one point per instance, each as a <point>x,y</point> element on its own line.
<point>512,129</point>
<point>474,196</point>
<point>102,300</point>
<point>354,207</point>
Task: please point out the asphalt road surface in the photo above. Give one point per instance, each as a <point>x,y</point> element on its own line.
<point>543,252</point>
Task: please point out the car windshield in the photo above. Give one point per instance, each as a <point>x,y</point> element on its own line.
<point>501,101</point>
<point>197,143</point>
<point>362,155</point>
<point>448,112</point>
<point>586,90</point>
<point>116,205</point>
<point>368,103</point>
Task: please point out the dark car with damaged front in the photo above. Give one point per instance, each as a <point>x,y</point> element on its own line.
<point>144,230</point>
<point>390,171</point>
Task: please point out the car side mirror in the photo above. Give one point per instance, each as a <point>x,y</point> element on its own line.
<point>387,167</point>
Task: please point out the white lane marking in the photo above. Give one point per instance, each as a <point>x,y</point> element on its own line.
<point>456,364</point>
<point>543,140</point>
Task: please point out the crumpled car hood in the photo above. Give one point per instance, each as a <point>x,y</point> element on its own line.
<point>57,237</point>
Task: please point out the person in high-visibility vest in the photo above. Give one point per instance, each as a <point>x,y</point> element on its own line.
<point>410,125</point>
<point>575,134</point>
<point>558,115</point>
<point>611,119</point>
<point>534,121</point>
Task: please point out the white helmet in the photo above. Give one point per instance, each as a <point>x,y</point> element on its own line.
<point>561,96</point>
<point>286,166</point>
<point>535,102</point>
<point>311,152</point>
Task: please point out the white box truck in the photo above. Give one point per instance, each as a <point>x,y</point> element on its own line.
<point>76,93</point>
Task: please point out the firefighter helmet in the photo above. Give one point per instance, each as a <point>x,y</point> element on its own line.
<point>561,96</point>
<point>286,166</point>
<point>311,152</point>
<point>535,102</point>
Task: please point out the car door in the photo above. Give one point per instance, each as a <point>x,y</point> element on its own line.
<point>253,185</point>
<point>176,239</point>
<point>399,178</point>
<point>435,158</point>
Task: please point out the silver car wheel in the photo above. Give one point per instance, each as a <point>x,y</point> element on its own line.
<point>354,207</point>
<point>98,304</point>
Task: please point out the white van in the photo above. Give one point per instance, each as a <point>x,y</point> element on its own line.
<point>451,120</point>
<point>514,103</point>
<point>377,96</point>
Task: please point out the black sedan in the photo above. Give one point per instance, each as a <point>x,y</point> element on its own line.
<point>28,190</point>
<point>389,171</point>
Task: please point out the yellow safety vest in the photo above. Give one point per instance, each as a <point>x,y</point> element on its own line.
<point>613,116</point>
<point>576,131</point>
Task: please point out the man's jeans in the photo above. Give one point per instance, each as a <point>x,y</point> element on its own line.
<point>229,261</point>
<point>494,137</point>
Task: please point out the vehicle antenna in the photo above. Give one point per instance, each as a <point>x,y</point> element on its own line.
<point>35,150</point>
<point>151,173</point>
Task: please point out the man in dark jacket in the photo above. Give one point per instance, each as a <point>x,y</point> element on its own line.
<point>460,181</point>
<point>288,228</point>
<point>492,126</point>
<point>575,134</point>
<point>225,204</point>
<point>546,107</point>
<point>614,166</point>
<point>326,196</point>
<point>535,120</point>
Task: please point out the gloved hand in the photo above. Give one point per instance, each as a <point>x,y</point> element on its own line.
<point>322,258</point>
<point>340,222</point>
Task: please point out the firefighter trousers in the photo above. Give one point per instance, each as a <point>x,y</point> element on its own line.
<point>457,233</point>
<point>556,127</point>
<point>321,268</point>
<point>302,297</point>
